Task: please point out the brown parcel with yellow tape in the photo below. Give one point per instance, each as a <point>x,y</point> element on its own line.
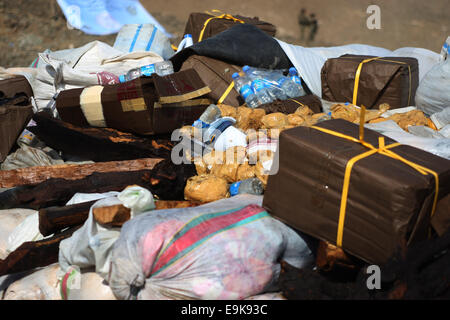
<point>392,80</point>
<point>146,105</point>
<point>217,75</point>
<point>219,23</point>
<point>389,203</point>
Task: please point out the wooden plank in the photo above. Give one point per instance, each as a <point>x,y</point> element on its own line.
<point>55,219</point>
<point>166,181</point>
<point>98,144</point>
<point>34,175</point>
<point>114,216</point>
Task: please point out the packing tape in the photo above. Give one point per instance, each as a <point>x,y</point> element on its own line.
<point>91,105</point>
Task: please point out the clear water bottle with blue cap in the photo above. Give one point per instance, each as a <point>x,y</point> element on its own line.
<point>259,86</point>
<point>211,114</point>
<point>273,86</point>
<point>162,68</point>
<point>270,78</point>
<point>243,86</point>
<point>293,74</point>
<point>186,42</point>
<point>250,186</point>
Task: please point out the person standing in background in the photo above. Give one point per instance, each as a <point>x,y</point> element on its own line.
<point>303,21</point>
<point>314,27</point>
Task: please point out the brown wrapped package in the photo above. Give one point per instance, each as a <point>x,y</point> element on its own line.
<point>392,80</point>
<point>200,167</point>
<point>227,171</point>
<point>303,111</point>
<point>248,118</point>
<point>256,135</point>
<point>352,113</point>
<point>213,157</point>
<point>312,120</point>
<point>227,111</point>
<point>329,256</point>
<point>260,173</point>
<point>295,119</point>
<point>206,188</point>
<point>263,166</point>
<point>411,118</point>
<point>245,171</point>
<point>243,118</point>
<point>274,120</point>
<point>236,154</point>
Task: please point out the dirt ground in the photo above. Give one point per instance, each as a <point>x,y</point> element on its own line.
<point>31,26</point>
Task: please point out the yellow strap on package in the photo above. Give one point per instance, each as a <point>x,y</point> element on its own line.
<point>225,94</point>
<point>358,75</point>
<point>222,16</point>
<point>382,149</point>
<point>297,102</point>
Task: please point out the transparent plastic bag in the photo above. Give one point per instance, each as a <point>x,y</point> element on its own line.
<point>439,147</point>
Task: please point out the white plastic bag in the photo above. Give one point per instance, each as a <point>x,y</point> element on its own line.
<point>442,118</point>
<point>137,199</point>
<point>40,285</point>
<point>27,230</point>
<point>91,245</point>
<point>227,249</point>
<point>92,287</point>
<point>9,220</point>
<point>143,37</point>
<point>87,197</point>
<point>50,284</point>
<point>27,156</point>
<point>89,65</point>
<point>433,93</point>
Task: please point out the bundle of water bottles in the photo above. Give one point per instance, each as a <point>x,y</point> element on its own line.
<point>260,86</point>
<point>162,68</point>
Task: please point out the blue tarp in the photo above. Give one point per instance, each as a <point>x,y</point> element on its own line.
<point>102,17</point>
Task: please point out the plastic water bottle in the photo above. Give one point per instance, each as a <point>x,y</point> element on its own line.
<point>293,74</point>
<point>250,186</point>
<point>259,86</point>
<point>162,68</point>
<point>186,42</point>
<point>270,78</point>
<point>243,86</point>
<point>261,91</point>
<point>273,86</point>
<point>289,87</point>
<point>211,114</point>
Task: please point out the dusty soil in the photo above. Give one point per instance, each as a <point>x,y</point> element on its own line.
<point>31,26</point>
